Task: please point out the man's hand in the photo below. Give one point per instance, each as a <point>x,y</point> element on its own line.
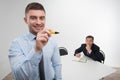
<point>42,39</point>
<point>88,48</point>
<point>78,55</point>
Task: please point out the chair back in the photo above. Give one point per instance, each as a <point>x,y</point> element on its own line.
<point>63,51</point>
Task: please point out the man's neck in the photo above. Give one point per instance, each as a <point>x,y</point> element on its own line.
<point>33,33</point>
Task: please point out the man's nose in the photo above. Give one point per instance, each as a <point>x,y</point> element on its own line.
<point>38,21</point>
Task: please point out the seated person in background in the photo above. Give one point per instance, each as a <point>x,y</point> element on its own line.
<point>90,49</point>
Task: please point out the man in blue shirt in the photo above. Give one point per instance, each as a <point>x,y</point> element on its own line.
<point>37,47</point>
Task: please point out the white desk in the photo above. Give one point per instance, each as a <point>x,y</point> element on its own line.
<point>91,70</point>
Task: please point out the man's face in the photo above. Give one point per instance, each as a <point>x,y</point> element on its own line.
<point>35,20</point>
<point>89,41</point>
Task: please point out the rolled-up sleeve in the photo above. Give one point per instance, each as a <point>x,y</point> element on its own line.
<point>22,65</point>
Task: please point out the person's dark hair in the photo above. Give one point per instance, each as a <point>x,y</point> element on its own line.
<point>34,6</point>
<point>89,36</point>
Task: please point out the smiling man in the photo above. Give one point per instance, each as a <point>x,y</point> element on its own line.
<point>35,55</point>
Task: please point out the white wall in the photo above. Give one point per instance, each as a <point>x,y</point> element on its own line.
<point>75,19</point>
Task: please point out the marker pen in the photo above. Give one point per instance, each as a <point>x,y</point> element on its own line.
<point>53,32</point>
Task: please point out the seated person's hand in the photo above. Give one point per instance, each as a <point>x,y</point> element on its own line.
<point>88,47</point>
<point>78,55</point>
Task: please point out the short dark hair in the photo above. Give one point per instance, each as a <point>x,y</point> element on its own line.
<point>34,6</point>
<point>89,36</point>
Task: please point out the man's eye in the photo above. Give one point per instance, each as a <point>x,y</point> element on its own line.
<point>33,18</point>
<point>42,18</point>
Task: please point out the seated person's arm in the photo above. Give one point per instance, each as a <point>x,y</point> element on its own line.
<point>99,57</point>
<point>77,51</point>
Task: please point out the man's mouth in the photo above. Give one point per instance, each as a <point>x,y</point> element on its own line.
<point>38,27</point>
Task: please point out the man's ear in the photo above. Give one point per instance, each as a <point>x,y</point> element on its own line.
<point>25,19</point>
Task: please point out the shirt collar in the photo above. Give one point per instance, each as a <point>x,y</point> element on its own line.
<point>31,36</point>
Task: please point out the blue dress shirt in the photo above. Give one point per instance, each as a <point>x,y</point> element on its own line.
<point>24,60</point>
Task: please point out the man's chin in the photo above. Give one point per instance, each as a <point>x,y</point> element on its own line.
<point>36,31</point>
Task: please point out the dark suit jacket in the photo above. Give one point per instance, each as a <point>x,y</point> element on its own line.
<point>95,54</point>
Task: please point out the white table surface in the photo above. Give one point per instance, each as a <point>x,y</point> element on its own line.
<point>91,70</point>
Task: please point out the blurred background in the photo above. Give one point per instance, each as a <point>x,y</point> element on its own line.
<point>74,19</point>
